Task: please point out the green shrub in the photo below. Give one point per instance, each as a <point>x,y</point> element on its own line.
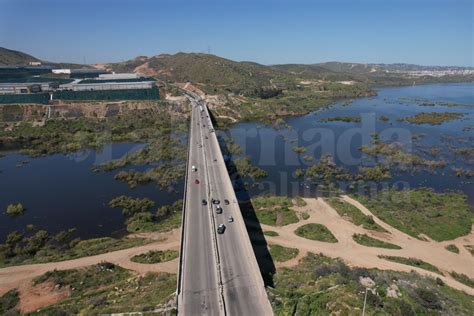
<point>368,241</point>
<point>452,248</point>
<point>281,254</point>
<point>9,301</point>
<point>316,232</point>
<point>15,209</point>
<point>155,256</point>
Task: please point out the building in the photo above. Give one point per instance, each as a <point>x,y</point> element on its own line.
<point>62,71</point>
<point>86,73</point>
<point>28,87</point>
<point>119,76</point>
<point>77,86</point>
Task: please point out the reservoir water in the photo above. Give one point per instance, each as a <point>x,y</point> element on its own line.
<point>61,191</point>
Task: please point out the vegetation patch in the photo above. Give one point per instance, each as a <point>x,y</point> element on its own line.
<point>433,118</point>
<point>354,215</point>
<point>60,136</point>
<point>166,218</point>
<point>346,119</point>
<point>40,247</point>
<point>299,149</point>
<point>279,216</point>
<point>8,302</point>
<point>271,233</point>
<point>470,248</point>
<point>299,201</point>
<point>317,232</point>
<point>440,216</point>
<point>155,256</point>
<point>319,285</point>
<point>275,210</point>
<point>394,155</point>
<point>452,248</point>
<point>368,241</point>
<point>166,175</point>
<point>131,206</point>
<point>282,254</point>
<point>464,279</point>
<point>15,209</point>
<point>244,168</point>
<point>413,262</point>
<point>106,288</point>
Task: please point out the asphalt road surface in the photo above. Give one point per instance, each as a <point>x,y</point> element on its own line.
<point>219,272</point>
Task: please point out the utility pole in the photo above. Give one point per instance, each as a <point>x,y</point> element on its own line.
<point>365,301</point>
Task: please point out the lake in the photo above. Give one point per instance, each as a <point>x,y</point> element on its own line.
<point>61,191</point>
<point>272,148</point>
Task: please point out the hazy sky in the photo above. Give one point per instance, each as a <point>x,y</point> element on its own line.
<point>428,32</point>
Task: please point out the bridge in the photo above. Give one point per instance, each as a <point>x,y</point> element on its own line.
<point>218,273</point>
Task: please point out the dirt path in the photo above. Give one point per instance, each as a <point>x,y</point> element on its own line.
<point>20,276</point>
<point>357,255</point>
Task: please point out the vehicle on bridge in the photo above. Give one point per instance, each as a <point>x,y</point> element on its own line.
<point>219,209</point>
<point>193,168</point>
<point>197,181</point>
<point>230,219</point>
<point>221,229</point>
<point>204,202</point>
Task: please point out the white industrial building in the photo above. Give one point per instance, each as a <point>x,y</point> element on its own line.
<point>107,86</point>
<point>119,76</point>
<point>62,71</point>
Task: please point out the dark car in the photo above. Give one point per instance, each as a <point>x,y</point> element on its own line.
<point>196,181</point>
<point>218,209</point>
<point>221,229</point>
<point>214,201</point>
<point>204,202</point>
<point>226,202</point>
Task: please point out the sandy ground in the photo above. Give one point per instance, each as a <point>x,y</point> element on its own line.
<point>32,298</point>
<point>356,255</point>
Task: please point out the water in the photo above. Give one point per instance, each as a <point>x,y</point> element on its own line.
<point>61,192</point>
<point>272,148</point>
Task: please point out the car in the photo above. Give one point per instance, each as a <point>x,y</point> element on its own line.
<point>200,146</point>
<point>196,181</point>
<point>193,168</point>
<point>226,202</point>
<point>214,201</point>
<point>204,202</point>
<point>221,229</point>
<point>218,209</point>
<point>230,219</point>
<point>207,137</point>
<point>215,159</point>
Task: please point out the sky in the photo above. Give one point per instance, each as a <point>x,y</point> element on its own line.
<point>426,32</point>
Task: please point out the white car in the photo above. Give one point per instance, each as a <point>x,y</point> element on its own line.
<point>230,219</point>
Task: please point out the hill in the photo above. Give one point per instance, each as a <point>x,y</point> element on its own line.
<point>211,72</point>
<point>379,74</point>
<point>9,57</point>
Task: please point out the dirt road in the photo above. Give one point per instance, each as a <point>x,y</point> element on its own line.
<point>21,276</point>
<point>357,255</point>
